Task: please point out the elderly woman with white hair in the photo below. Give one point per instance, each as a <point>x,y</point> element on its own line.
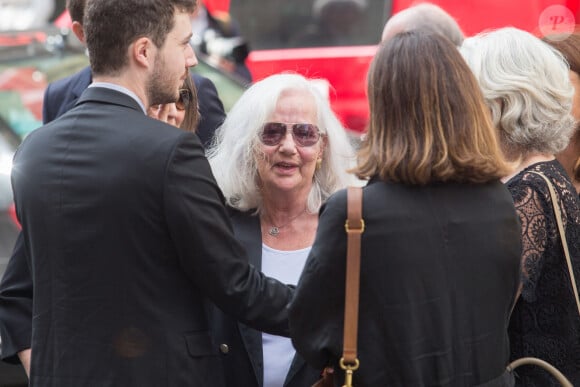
<point>526,85</point>
<point>278,156</point>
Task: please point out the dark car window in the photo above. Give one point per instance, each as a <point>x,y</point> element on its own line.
<point>310,23</point>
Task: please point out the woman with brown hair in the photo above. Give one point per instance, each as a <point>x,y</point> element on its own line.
<point>184,113</point>
<point>187,106</point>
<point>440,251</point>
<point>570,49</point>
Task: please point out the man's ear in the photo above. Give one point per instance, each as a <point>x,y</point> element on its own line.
<point>79,32</point>
<point>143,52</point>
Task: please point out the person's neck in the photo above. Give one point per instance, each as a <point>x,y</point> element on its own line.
<point>525,161</point>
<point>569,156</point>
<point>281,212</point>
<point>288,225</point>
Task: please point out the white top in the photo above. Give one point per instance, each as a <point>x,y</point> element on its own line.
<point>285,266</point>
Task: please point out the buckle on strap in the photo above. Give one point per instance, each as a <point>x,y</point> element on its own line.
<point>360,229</point>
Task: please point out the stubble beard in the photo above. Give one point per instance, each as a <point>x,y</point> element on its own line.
<point>159,88</point>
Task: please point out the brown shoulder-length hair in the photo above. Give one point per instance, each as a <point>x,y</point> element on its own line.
<point>428,121</point>
<point>568,46</point>
<point>191,119</point>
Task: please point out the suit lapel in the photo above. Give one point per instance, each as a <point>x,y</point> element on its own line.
<point>297,364</point>
<point>247,230</point>
<point>109,96</point>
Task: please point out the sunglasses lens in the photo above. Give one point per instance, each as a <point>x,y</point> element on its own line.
<point>273,133</point>
<point>305,134</point>
<point>184,99</point>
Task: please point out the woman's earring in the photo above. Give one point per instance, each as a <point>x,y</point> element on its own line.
<point>318,164</point>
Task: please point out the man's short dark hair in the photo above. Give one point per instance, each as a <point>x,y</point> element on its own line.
<point>111,26</point>
<point>76,9</point>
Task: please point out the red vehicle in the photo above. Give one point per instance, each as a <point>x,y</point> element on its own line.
<point>335,40</point>
<point>287,36</point>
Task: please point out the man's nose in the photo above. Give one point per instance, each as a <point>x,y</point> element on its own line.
<point>190,58</point>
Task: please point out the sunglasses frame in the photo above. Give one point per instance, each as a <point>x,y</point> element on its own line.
<point>293,129</point>
<point>185,98</point>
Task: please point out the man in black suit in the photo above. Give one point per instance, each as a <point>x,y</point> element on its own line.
<point>123,226</point>
<point>61,95</point>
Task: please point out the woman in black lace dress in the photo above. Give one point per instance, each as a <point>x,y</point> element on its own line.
<point>527,88</point>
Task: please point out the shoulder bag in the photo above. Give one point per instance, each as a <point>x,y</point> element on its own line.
<point>354,227</point>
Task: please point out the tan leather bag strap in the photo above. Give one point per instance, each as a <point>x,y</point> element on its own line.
<point>354,227</point>
<point>563,380</point>
<point>558,215</point>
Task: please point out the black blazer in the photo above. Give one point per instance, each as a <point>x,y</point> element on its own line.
<point>60,96</point>
<point>127,237</point>
<point>240,345</point>
<point>440,268</point>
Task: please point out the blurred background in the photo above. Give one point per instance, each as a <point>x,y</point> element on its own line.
<point>24,14</point>
<point>237,42</point>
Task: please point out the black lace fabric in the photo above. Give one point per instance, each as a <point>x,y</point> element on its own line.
<point>545,322</point>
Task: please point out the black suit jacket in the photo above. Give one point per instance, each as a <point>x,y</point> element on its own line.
<point>127,237</point>
<point>60,96</point>
<point>240,345</point>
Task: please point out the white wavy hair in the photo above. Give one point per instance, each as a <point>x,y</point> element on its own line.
<point>526,85</point>
<point>232,155</point>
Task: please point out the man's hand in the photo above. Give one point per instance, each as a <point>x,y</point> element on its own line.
<point>24,357</point>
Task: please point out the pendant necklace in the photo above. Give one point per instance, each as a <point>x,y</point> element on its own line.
<point>275,230</point>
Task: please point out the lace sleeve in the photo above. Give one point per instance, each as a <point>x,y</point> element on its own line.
<point>531,211</point>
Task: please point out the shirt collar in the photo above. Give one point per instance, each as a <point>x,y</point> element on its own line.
<point>120,89</point>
